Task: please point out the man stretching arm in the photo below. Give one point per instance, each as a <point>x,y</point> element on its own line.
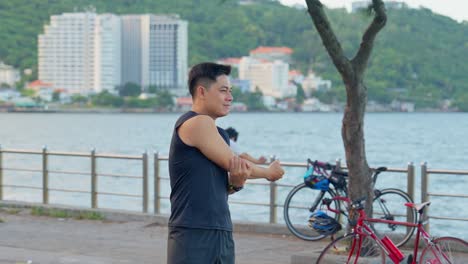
<point>200,228</point>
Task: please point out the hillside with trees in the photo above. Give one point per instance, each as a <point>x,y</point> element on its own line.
<point>419,56</point>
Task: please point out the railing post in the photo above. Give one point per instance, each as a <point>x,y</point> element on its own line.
<point>45,177</point>
<point>424,193</point>
<point>145,182</point>
<point>156,183</point>
<point>94,182</point>
<point>410,190</point>
<point>273,190</point>
<point>1,174</point>
<point>410,181</point>
<point>338,163</point>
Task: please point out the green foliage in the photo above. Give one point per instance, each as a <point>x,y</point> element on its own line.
<point>129,89</point>
<point>107,99</point>
<point>164,99</point>
<point>4,85</point>
<point>56,96</point>
<point>300,94</point>
<point>135,102</point>
<point>253,100</point>
<point>462,103</point>
<point>421,52</point>
<point>28,93</point>
<point>78,99</point>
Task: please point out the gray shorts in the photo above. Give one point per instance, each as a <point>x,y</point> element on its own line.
<point>199,246</point>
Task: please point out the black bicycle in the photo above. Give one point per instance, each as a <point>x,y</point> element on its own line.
<point>323,180</point>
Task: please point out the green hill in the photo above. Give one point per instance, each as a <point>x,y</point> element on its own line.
<point>419,56</point>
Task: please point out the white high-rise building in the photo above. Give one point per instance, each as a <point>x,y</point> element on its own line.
<point>80,52</point>
<point>154,51</point>
<point>270,77</point>
<point>107,56</point>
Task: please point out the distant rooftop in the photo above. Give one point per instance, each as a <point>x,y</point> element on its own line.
<point>264,49</point>
<point>39,83</point>
<point>230,61</point>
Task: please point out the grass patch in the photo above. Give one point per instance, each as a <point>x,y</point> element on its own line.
<point>13,211</point>
<point>89,216</point>
<point>40,211</point>
<point>1,221</point>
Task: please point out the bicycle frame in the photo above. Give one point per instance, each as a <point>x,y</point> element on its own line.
<point>362,230</point>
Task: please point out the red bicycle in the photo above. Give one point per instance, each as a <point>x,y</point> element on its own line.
<point>363,245</point>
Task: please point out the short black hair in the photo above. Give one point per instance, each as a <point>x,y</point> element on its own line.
<point>232,133</point>
<point>206,72</point>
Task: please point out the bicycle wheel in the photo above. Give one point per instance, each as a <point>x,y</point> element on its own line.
<point>345,250</point>
<point>445,250</point>
<point>300,202</point>
<point>389,204</point>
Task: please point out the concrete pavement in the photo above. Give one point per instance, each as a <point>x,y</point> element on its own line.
<point>124,238</point>
<point>129,238</point>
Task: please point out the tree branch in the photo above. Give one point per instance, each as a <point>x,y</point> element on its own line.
<point>315,9</point>
<point>380,19</point>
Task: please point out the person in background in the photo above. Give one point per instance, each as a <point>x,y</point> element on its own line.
<point>233,135</point>
<point>203,171</point>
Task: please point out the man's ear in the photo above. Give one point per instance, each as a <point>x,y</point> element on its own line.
<point>201,91</point>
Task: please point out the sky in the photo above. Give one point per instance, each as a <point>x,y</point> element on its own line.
<point>456,9</point>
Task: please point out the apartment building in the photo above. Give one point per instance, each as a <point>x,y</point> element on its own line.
<point>80,52</point>
<point>108,53</point>
<point>155,51</point>
<point>271,77</point>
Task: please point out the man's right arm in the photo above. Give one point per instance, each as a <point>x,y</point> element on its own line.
<point>201,132</point>
<point>261,160</point>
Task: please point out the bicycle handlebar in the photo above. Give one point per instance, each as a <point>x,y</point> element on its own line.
<point>321,164</point>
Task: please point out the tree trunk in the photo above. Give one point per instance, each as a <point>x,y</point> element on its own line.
<point>352,132</point>
<point>352,72</point>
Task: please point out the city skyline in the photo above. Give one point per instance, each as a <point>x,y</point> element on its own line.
<point>89,52</point>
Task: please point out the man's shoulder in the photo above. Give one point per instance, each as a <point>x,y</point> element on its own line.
<point>196,128</point>
<point>200,122</point>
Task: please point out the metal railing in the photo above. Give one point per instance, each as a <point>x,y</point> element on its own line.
<point>93,159</point>
<point>273,204</point>
<point>427,193</point>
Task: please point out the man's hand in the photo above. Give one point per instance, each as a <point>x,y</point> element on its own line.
<point>239,171</point>
<point>262,160</point>
<point>275,172</point>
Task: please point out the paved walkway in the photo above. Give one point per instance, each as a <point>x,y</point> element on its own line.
<point>42,240</point>
<point>130,238</point>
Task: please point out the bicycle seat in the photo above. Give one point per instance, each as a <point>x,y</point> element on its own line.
<point>418,207</point>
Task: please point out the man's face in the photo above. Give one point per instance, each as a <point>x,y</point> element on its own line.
<point>218,97</point>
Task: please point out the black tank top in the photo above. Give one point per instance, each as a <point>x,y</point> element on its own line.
<point>199,197</point>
